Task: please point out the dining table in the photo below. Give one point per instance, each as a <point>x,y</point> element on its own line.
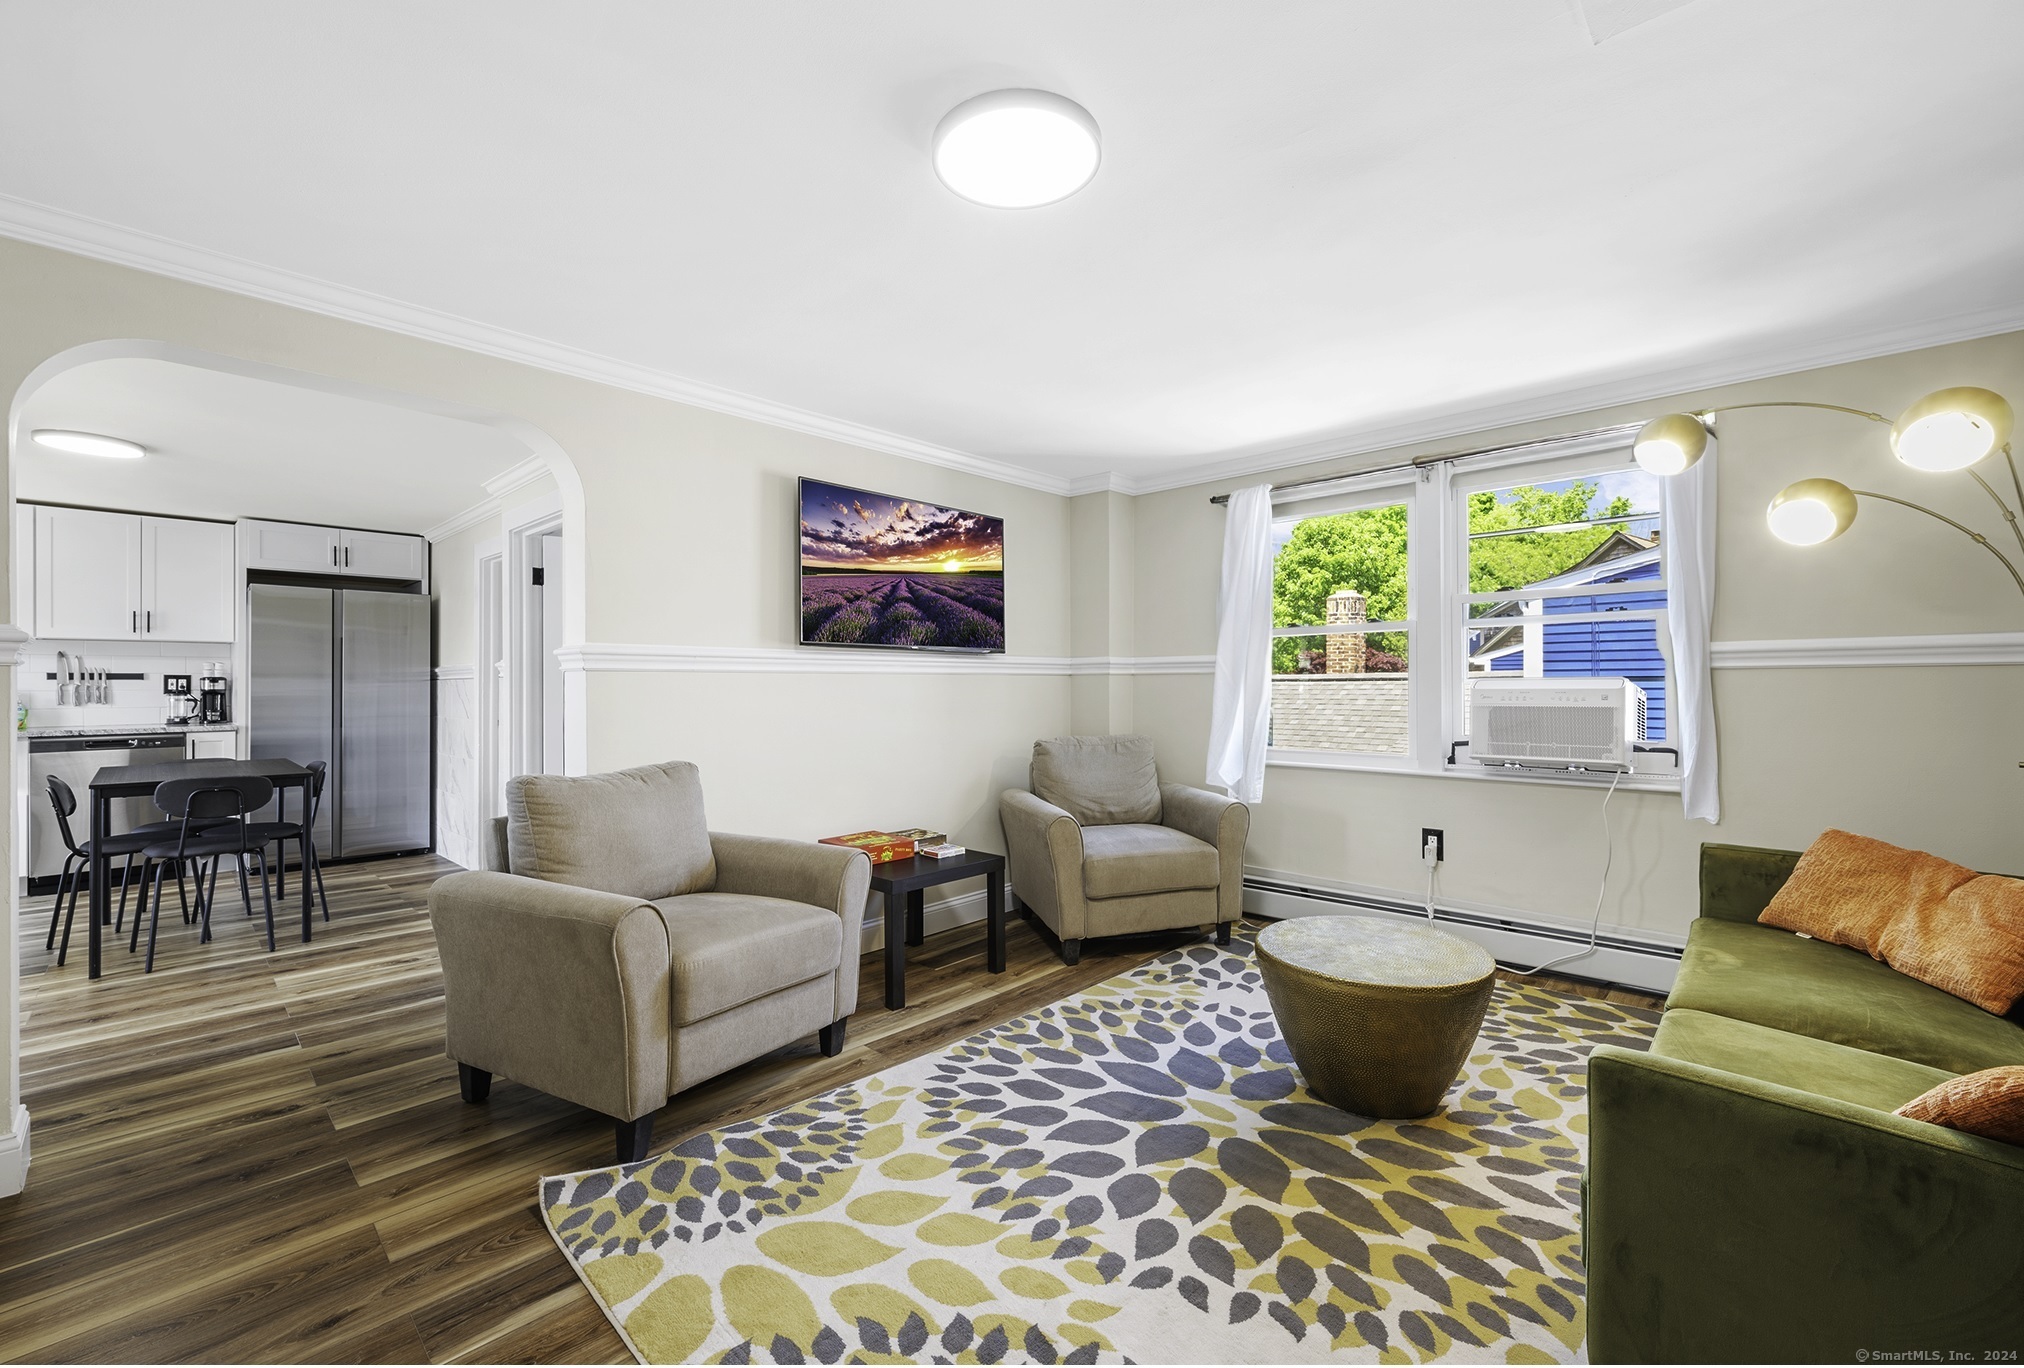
<point>140,781</point>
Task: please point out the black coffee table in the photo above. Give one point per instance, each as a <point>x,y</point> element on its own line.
<point>902,882</point>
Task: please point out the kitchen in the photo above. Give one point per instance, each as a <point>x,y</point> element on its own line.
<point>205,574</point>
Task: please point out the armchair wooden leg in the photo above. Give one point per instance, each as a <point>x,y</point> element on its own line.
<point>1223,933</point>
<point>1071,952</point>
<point>831,1037</point>
<point>475,1084</point>
<point>635,1137</point>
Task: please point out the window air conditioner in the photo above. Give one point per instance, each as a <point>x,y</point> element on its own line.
<point>1555,724</point>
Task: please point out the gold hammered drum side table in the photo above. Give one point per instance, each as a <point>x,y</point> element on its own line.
<point>1379,1015</point>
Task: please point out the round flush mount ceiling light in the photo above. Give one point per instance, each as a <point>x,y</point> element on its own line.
<point>1017,149</point>
<point>88,444</point>
<point>1951,429</point>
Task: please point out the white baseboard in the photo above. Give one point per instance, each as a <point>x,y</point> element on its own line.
<point>1633,958</point>
<point>14,1155</point>
<point>960,910</point>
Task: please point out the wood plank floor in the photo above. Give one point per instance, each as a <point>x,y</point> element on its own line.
<point>255,1157</point>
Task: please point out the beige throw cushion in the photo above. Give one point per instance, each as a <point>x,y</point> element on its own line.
<point>1988,1103</point>
<point>639,832</point>
<point>1848,888</point>
<point>1098,780</point>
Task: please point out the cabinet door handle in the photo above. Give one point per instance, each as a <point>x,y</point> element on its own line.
<point>135,629</point>
<point>333,555</point>
<point>347,557</point>
<point>151,619</point>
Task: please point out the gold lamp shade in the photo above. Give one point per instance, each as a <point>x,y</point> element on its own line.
<point>1809,512</point>
<point>1951,429</point>
<point>1670,444</point>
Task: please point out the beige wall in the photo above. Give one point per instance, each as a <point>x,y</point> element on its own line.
<point>1927,757</point>
<point>453,583</point>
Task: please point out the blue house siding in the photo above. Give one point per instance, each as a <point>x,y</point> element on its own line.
<point>1629,649</point>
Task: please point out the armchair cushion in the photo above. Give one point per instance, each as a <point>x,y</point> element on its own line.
<point>728,949</point>
<point>639,832</point>
<point>1130,858</point>
<point>1098,780</point>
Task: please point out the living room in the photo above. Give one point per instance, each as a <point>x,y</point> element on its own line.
<point>695,260</point>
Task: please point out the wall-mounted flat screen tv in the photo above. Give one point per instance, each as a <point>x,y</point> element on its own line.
<point>883,571</point>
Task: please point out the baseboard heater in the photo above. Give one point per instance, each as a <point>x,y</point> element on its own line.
<point>1648,966</point>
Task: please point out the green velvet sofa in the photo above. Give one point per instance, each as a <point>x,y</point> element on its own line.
<point>1751,1198</point>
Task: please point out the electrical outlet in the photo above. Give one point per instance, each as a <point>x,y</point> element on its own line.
<point>175,684</point>
<point>1438,839</point>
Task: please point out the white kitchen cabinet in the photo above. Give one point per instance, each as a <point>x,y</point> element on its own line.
<point>87,574</point>
<point>124,577</point>
<point>299,547</point>
<point>186,580</point>
<point>383,555</point>
<point>216,745</point>
<point>304,549</point>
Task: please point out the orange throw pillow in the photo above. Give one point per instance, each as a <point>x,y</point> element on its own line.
<point>1989,1103</point>
<point>1848,888</point>
<point>1971,944</point>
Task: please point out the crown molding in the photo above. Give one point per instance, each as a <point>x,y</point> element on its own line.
<point>1546,404</point>
<point>517,477</point>
<point>65,231</point>
<point>77,233</point>
<point>456,672</point>
<point>1797,653</point>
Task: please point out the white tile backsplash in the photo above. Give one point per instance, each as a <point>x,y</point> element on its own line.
<point>134,702</point>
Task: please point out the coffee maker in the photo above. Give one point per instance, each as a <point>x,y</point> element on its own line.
<point>214,694</point>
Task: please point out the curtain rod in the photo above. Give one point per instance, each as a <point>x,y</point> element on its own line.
<point>1421,462</point>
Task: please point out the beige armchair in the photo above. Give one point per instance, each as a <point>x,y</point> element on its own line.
<point>631,952</point>
<point>1101,847</point>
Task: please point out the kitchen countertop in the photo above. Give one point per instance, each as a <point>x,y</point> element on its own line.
<point>41,733</point>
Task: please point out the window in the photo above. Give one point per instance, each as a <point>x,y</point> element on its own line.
<point>1342,634</point>
<point>1389,600</point>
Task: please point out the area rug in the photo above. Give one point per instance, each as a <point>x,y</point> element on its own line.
<point>1134,1174</point>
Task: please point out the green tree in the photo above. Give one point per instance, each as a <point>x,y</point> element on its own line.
<point>1365,550</point>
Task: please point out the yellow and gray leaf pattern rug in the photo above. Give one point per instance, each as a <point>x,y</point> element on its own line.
<point>1134,1174</point>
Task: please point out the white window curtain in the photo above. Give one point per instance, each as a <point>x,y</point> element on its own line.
<point>1689,555</point>
<point>1241,718</point>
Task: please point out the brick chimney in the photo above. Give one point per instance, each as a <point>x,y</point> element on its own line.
<point>1345,650</point>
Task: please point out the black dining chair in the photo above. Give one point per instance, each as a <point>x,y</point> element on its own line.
<point>212,813</point>
<point>303,833</point>
<point>77,862</point>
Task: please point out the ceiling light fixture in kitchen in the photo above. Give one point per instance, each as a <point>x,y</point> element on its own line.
<point>1017,149</point>
<point>89,444</point>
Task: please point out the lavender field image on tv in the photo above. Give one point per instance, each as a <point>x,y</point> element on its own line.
<point>880,571</point>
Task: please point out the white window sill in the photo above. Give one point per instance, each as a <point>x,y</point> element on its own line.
<point>1658,781</point>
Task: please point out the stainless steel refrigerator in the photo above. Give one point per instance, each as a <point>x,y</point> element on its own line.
<point>342,676</point>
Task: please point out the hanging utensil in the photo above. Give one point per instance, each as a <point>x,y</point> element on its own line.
<point>62,679</point>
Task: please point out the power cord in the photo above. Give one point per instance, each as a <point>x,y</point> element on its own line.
<point>1594,922</point>
<point>1433,868</point>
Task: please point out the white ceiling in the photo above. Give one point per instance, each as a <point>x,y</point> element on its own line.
<point>230,446</point>
<point>1319,222</point>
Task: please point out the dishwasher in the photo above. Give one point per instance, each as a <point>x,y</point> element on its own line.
<point>74,760</point>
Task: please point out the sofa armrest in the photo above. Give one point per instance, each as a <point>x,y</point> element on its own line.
<point>1218,820</point>
<point>1043,845</point>
<point>563,989</point>
<point>1729,1219</point>
<point>835,877</point>
<point>1738,882</point>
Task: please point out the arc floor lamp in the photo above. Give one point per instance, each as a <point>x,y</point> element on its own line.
<point>1948,430</point>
